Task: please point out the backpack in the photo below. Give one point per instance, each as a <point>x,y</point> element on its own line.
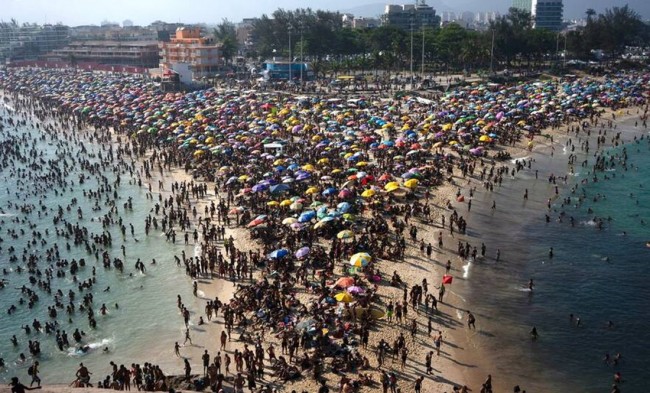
<point>30,370</point>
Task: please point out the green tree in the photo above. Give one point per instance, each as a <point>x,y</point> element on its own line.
<point>226,35</point>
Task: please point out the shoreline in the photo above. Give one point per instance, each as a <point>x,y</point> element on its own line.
<point>443,193</point>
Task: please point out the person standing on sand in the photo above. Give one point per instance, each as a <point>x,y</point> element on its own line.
<point>471,320</point>
<point>438,342</point>
<point>223,338</point>
<point>177,349</point>
<point>188,369</point>
<point>187,337</point>
<point>206,362</point>
<point>441,293</point>
<point>17,387</point>
<point>418,384</point>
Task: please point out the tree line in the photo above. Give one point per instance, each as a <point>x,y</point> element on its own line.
<point>322,39</point>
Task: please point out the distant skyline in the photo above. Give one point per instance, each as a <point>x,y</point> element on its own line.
<point>143,12</point>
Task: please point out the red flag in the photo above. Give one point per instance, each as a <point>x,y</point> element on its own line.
<point>447,279</point>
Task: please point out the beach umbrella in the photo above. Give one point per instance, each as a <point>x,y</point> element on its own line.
<point>259,187</point>
<point>307,216</point>
<point>289,220</point>
<point>356,290</point>
<point>279,188</point>
<point>344,282</point>
<point>343,207</point>
<point>345,234</point>
<point>392,186</point>
<point>295,206</point>
<point>360,259</point>
<point>345,193</point>
<point>255,222</point>
<point>343,297</point>
<point>368,193</point>
<point>302,252</point>
<point>280,253</point>
<point>411,183</point>
<point>447,279</point>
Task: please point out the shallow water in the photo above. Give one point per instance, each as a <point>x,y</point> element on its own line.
<point>147,323</point>
<point>578,280</point>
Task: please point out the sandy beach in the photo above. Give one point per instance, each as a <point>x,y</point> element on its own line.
<point>463,358</point>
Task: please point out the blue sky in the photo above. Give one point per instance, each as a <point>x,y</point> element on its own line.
<point>143,12</point>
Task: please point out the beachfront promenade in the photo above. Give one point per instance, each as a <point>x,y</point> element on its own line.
<point>326,260</point>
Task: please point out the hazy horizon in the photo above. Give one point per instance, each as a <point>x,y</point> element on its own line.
<point>143,12</point>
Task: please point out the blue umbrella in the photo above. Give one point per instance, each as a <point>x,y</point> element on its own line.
<point>278,188</point>
<point>292,167</point>
<point>277,254</point>
<point>343,207</point>
<point>329,191</point>
<point>303,176</point>
<point>307,216</point>
<point>260,187</point>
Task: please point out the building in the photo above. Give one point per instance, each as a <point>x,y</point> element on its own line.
<point>546,14</point>
<point>351,22</point>
<point>29,41</point>
<point>524,5</point>
<point>201,54</point>
<point>410,16</point>
<point>125,53</point>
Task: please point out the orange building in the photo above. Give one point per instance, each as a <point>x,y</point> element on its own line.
<point>201,54</point>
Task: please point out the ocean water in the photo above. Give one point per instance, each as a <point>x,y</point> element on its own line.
<point>598,275</point>
<point>147,322</point>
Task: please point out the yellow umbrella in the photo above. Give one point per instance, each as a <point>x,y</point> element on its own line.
<point>286,202</point>
<point>323,161</point>
<point>447,127</point>
<point>346,234</point>
<point>279,161</point>
<point>361,163</point>
<point>368,193</point>
<point>311,190</point>
<point>308,167</point>
<point>343,297</point>
<point>289,220</point>
<point>484,138</point>
<point>273,203</point>
<point>411,183</point>
<point>320,224</point>
<point>243,177</point>
<point>392,186</point>
<point>337,170</point>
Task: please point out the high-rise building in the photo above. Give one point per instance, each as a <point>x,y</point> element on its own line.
<point>546,14</point>
<point>407,16</point>
<point>524,5</point>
